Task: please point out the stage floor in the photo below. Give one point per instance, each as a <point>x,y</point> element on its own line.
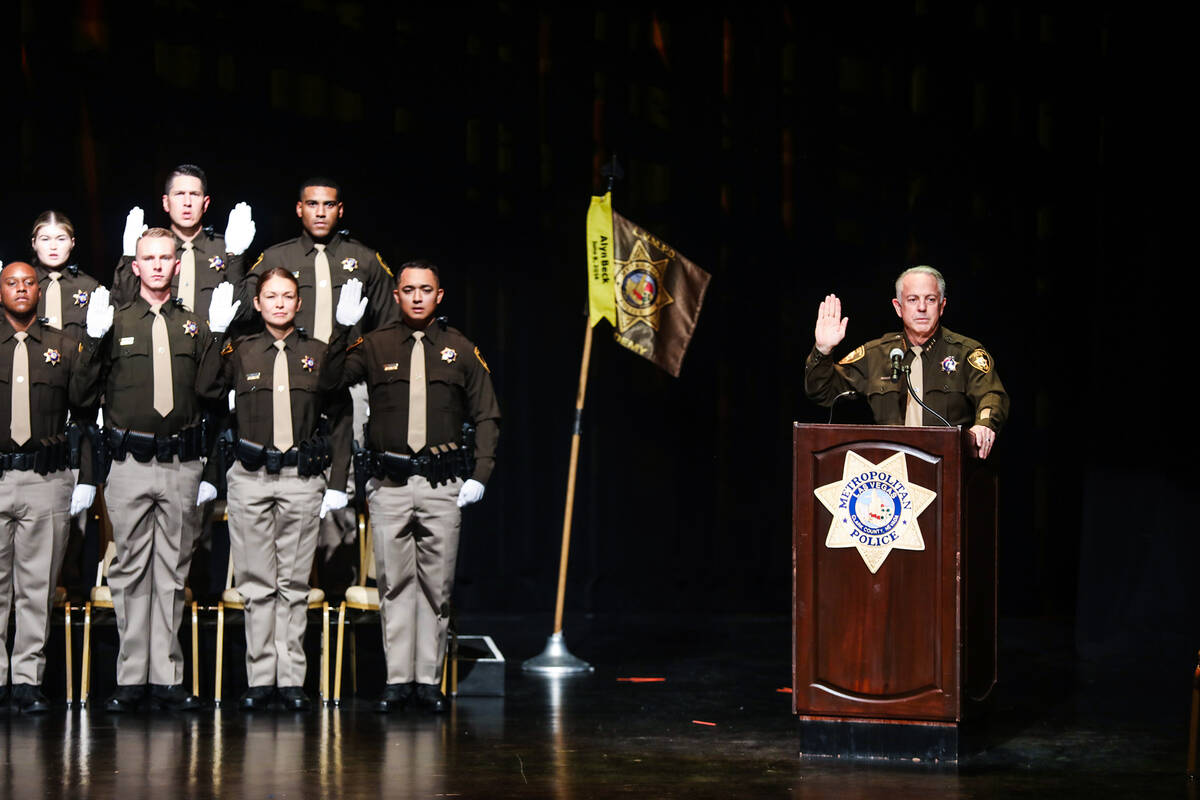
<point>716,727</point>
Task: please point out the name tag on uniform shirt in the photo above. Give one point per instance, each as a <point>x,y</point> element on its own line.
<point>395,365</point>
<point>253,376</point>
<point>126,340</point>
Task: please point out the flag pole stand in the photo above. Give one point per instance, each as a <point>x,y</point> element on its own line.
<point>556,659</point>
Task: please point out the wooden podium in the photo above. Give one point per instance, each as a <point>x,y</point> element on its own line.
<point>889,664</point>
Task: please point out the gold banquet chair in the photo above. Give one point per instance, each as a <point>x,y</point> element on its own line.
<point>366,598</point>
<point>232,599</point>
<point>101,597</point>
<point>61,600</point>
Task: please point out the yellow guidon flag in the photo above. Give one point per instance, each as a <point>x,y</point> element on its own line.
<point>649,292</point>
<point>601,298</point>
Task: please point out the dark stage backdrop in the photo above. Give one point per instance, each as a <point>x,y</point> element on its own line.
<point>792,149</point>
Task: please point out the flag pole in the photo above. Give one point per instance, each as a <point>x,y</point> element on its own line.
<point>556,659</point>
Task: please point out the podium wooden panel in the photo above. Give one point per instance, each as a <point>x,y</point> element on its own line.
<point>915,642</point>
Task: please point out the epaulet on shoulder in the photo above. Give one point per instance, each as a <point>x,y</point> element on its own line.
<point>382,263</point>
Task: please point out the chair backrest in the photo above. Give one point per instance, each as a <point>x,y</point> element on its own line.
<point>110,552</point>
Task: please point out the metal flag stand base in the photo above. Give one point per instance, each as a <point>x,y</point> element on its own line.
<point>556,659</point>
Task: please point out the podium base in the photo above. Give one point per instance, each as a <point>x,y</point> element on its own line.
<point>924,742</point>
<point>556,659</point>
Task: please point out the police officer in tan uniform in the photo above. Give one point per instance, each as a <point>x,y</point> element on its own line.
<point>277,492</point>
<point>324,259</point>
<point>147,367</point>
<point>425,380</point>
<point>206,258</point>
<point>954,375</point>
<point>40,379</point>
<point>64,288</point>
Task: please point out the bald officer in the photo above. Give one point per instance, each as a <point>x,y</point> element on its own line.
<point>40,381</point>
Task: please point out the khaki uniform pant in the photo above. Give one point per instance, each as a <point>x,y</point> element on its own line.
<point>155,520</point>
<point>273,526</point>
<point>416,529</point>
<point>34,520</point>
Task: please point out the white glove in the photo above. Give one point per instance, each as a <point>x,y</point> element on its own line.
<point>471,492</point>
<point>239,233</point>
<point>222,308</point>
<point>351,303</point>
<point>135,226</point>
<point>82,498</point>
<point>332,501</point>
<point>99,313</point>
<point>207,492</point>
<point>233,399</point>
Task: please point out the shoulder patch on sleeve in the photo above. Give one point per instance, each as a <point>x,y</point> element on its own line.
<point>81,347</point>
<point>481,361</point>
<point>259,261</point>
<point>227,349</point>
<point>980,360</point>
<point>854,355</point>
<point>354,344</point>
<point>383,264</point>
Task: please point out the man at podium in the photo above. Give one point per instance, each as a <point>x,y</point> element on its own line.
<point>953,375</point>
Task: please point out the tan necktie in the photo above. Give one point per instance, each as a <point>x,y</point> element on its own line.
<point>54,301</point>
<point>913,413</point>
<point>187,276</point>
<point>416,394</point>
<point>164,395</point>
<point>323,319</point>
<point>20,390</point>
<point>281,406</point>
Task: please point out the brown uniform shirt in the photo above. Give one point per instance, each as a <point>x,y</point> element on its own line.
<point>124,366</point>
<point>247,365</point>
<point>348,259</point>
<point>57,384</point>
<point>76,287</point>
<point>960,376</point>
<point>459,389</point>
<point>214,265</point>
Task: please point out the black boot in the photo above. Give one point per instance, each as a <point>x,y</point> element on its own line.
<point>29,699</point>
<point>174,698</point>
<point>431,699</point>
<point>395,697</point>
<point>126,699</point>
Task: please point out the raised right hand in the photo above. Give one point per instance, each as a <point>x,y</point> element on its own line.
<point>135,226</point>
<point>99,313</point>
<point>831,325</point>
<point>222,308</point>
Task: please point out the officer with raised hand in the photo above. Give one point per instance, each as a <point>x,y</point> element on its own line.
<point>277,492</point>
<point>145,357</point>
<point>205,258</point>
<point>40,380</point>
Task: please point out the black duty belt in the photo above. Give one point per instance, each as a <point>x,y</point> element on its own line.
<point>441,464</point>
<point>51,455</point>
<point>310,457</point>
<point>188,445</point>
